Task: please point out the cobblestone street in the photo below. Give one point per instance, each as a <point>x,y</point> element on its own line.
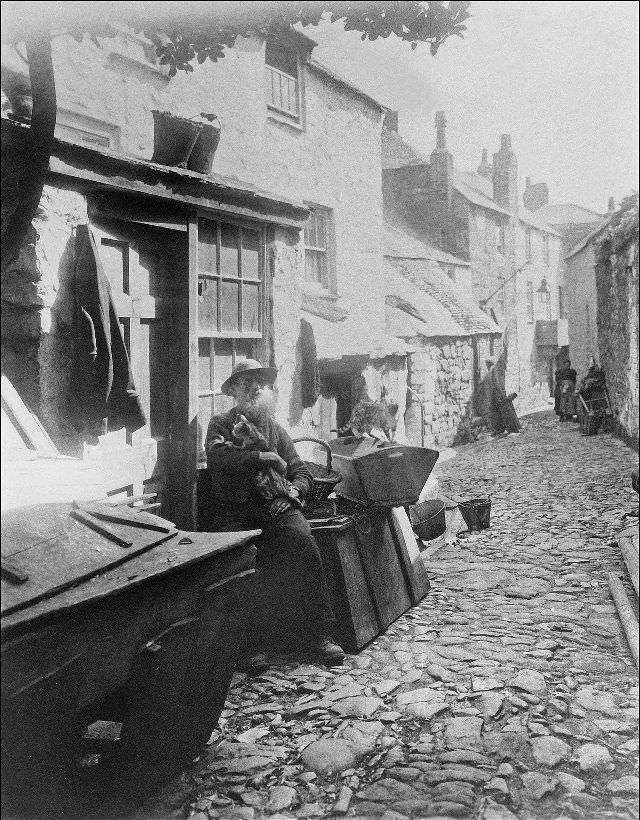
<point>509,691</point>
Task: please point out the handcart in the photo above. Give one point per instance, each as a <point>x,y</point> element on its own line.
<point>593,411</point>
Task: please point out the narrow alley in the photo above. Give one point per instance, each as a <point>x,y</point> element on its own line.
<point>509,691</point>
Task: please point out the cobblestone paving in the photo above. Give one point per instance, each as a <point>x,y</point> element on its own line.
<point>509,691</point>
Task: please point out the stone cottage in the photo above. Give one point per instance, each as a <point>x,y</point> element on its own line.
<point>449,337</point>
<point>284,234</point>
<point>514,257</point>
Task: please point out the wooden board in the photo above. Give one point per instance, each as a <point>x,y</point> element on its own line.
<point>409,554</point>
<point>381,565</point>
<point>57,552</point>
<point>169,558</point>
<point>351,597</point>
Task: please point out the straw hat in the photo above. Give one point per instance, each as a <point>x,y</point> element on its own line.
<point>248,366</point>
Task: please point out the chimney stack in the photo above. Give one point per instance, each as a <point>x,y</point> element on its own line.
<point>505,176</point>
<point>442,161</point>
<point>611,206</point>
<point>485,169</point>
<point>535,196</point>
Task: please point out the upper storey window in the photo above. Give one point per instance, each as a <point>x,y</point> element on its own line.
<point>283,80</point>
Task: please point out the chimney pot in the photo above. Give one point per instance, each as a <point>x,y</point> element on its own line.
<point>485,155</point>
<point>612,205</point>
<point>527,182</point>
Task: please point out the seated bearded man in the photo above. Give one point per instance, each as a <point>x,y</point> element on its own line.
<point>288,561</point>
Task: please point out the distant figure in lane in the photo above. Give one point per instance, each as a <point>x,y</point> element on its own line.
<point>501,412</point>
<point>565,391</point>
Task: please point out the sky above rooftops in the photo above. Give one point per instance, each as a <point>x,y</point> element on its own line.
<point>560,77</point>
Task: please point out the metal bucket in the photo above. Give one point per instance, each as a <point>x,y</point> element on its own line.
<point>428,519</point>
<point>476,513</point>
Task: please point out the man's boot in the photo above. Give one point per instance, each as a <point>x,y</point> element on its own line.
<point>329,652</point>
<point>254,664</point>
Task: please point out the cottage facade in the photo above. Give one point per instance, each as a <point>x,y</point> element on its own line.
<point>285,233</point>
<point>514,258</point>
<point>449,339</point>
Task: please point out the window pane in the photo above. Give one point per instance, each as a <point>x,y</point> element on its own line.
<point>222,362</point>
<point>250,307</point>
<point>204,364</point>
<point>229,250</point>
<point>207,245</point>
<point>250,254</point>
<point>316,267</point>
<point>207,303</point>
<point>229,306</point>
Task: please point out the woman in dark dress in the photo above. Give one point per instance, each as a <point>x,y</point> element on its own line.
<point>566,378</point>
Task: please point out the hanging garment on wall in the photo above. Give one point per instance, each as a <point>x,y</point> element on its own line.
<point>103,392</point>
<point>309,372</point>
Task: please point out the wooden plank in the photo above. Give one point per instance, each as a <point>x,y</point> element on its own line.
<point>381,565</point>
<point>409,554</point>
<point>57,551</point>
<point>168,558</point>
<point>26,422</point>
<point>626,615</point>
<point>223,613</point>
<point>357,622</point>
<point>149,741</point>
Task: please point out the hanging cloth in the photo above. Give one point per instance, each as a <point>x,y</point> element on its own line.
<point>309,371</point>
<point>103,394</point>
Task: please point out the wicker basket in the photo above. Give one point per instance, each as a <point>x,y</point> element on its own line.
<point>324,478</point>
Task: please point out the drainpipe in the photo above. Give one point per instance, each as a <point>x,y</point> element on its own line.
<point>413,392</point>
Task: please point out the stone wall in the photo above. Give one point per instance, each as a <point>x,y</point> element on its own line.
<point>617,293</point>
<point>37,313</point>
<point>333,159</point>
<point>582,308</point>
<point>440,374</point>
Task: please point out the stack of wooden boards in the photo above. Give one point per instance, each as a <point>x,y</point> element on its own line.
<point>374,570</point>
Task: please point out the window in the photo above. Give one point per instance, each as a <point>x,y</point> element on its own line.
<point>545,247</point>
<point>527,248</point>
<point>231,309</point>
<point>562,310</point>
<point>83,130</point>
<point>451,272</point>
<point>530,306</point>
<point>317,246</point>
<point>500,301</point>
<point>282,69</point>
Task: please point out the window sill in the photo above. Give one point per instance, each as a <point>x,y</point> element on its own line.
<point>282,119</point>
<point>311,289</point>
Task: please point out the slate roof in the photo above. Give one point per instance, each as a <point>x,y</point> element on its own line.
<point>430,280</point>
<point>401,245</point>
<point>331,74</point>
<point>567,213</point>
<point>412,312</point>
<point>586,239</point>
<point>531,218</point>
